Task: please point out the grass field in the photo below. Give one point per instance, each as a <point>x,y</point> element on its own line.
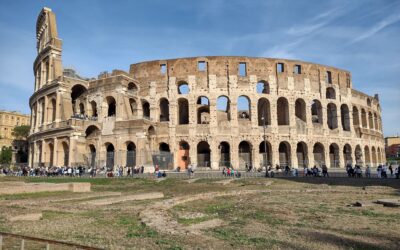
<point>303,213</point>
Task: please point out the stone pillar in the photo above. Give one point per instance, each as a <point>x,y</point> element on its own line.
<point>55,148</point>
<point>72,151</point>
<point>215,154</point>
<point>255,155</point>
<point>58,107</point>
<point>275,153</point>
<point>45,111</point>
<point>293,155</point>
<point>193,152</point>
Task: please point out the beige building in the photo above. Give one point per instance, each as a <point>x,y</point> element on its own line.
<point>8,121</point>
<point>208,111</point>
<point>391,140</point>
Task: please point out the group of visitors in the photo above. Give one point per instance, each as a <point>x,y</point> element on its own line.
<point>231,172</point>
<point>316,171</point>
<point>84,117</point>
<point>158,173</point>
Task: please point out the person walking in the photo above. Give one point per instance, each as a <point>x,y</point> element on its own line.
<point>325,171</point>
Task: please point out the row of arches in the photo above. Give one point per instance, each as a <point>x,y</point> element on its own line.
<point>367,120</point>
<point>332,156</point>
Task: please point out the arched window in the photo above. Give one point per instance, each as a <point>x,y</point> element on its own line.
<point>367,156</point>
<point>203,154</point>
<point>112,108</point>
<point>330,93</point>
<point>53,110</point>
<point>345,115</point>
<point>334,155</point>
<point>284,154</point>
<point>370,120</point>
<point>132,88</point>
<point>223,109</point>
<point>92,155</point>
<point>356,119</point>
<point>183,88</point>
<point>364,118</point>
<point>244,108</point>
<point>368,102</point>
<point>94,108</point>
<point>264,112</point>
<point>283,111</point>
<point>263,87</point>
<point>81,108</point>
<point>134,108</point>
<point>110,156</point>
<point>183,111</point>
<point>265,151</point>
<point>300,110</point>
<point>302,154</point>
<point>164,110</point>
<point>225,154</point>
<point>76,92</point>
<point>203,110</point>
<point>319,154</point>
<point>316,112</point>
<point>183,155</point>
<point>347,155</point>
<point>332,116</point>
<point>146,109</point>
<point>245,157</point>
<point>130,154</point>
<point>92,132</point>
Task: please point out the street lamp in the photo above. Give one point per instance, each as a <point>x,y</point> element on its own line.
<point>265,147</point>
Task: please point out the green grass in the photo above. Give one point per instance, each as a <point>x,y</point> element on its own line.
<point>25,196</point>
<point>136,229</point>
<point>54,215</point>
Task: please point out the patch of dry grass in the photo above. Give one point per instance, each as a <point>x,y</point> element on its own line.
<point>289,214</point>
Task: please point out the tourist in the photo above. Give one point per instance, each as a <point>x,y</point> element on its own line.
<point>368,172</point>
<point>305,171</point>
<point>379,171</point>
<point>397,172</point>
<point>325,170</point>
<point>358,171</point>
<point>391,170</point>
<point>164,174</point>
<point>384,171</point>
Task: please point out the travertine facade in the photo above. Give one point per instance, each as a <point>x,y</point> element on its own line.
<point>194,110</point>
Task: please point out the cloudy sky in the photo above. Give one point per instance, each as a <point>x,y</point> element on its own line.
<point>361,36</point>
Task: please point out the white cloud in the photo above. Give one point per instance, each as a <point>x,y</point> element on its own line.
<point>378,27</point>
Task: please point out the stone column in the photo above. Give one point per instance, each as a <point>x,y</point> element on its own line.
<point>293,155</point>
<point>214,156</point>
<point>45,111</point>
<point>275,153</point>
<point>72,151</point>
<point>55,155</point>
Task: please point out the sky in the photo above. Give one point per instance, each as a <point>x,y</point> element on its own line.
<point>362,36</point>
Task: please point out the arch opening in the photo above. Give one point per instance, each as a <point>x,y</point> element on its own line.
<point>224,154</point>
<point>223,109</point>
<point>334,155</point>
<point>332,116</point>
<point>264,112</point>
<point>244,108</point>
<point>302,154</point>
<point>146,109</point>
<point>183,88</point>
<point>164,110</point>
<point>265,151</point>
<point>330,93</point>
<point>284,154</point>
<point>203,154</point>
<point>319,154</point>
<point>347,155</point>
<point>183,111</point>
<point>345,115</point>
<point>316,112</point>
<point>245,157</point>
<point>263,87</point>
<point>183,155</point>
<point>111,106</point>
<point>130,154</point>
<point>203,110</point>
<point>283,111</point>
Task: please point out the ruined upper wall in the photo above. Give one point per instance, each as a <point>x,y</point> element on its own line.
<point>223,67</point>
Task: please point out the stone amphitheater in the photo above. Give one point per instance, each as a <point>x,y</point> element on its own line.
<point>207,111</point>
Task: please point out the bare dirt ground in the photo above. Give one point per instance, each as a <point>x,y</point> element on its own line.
<point>303,213</point>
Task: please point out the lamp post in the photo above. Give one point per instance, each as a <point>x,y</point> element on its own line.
<point>265,147</point>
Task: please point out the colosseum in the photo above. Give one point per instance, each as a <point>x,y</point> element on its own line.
<point>208,111</point>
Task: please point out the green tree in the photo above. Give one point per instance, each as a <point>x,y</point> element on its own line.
<point>21,132</point>
<point>5,155</point>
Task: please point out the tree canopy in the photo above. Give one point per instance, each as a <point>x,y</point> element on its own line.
<point>21,132</point>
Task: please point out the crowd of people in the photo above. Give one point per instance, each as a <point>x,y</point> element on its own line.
<point>382,171</point>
